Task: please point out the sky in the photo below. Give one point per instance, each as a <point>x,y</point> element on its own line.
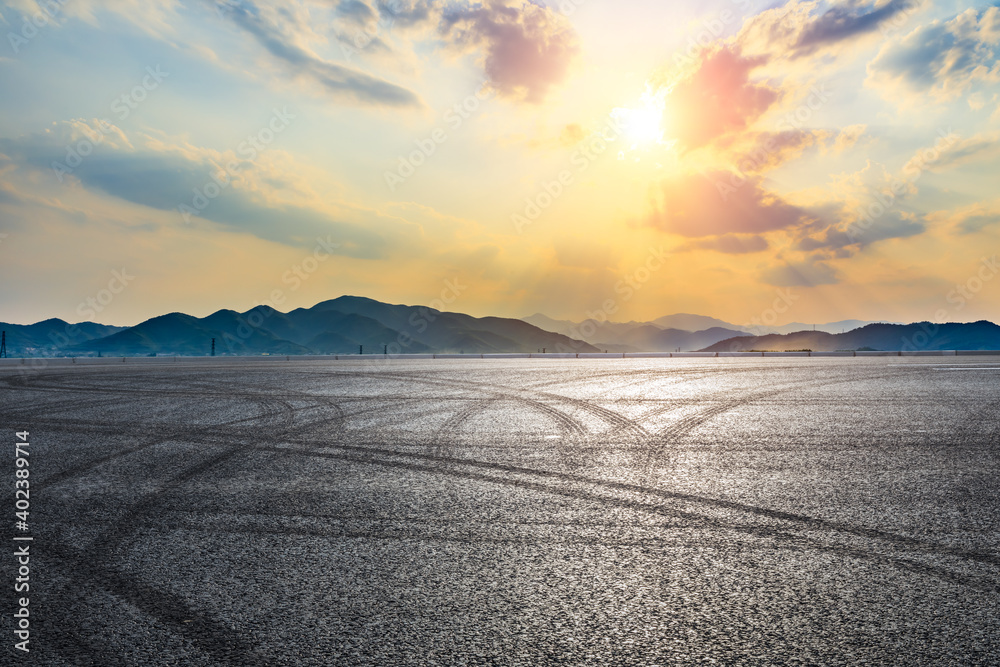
<point>800,161</point>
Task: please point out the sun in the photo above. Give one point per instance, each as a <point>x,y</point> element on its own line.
<point>642,124</point>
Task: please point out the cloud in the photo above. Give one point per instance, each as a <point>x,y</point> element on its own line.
<point>733,244</point>
<point>364,25</point>
<point>715,98</point>
<point>952,152</point>
<point>866,206</point>
<point>857,232</point>
<point>164,179</point>
<point>848,137</point>
<point>406,13</point>
<point>357,12</point>
<point>968,220</point>
<point>342,82</point>
<point>977,223</point>
<point>770,150</point>
<point>528,48</point>
<point>154,18</point>
<point>800,29</point>
<point>720,202</point>
<point>942,60</point>
<point>800,274</point>
<point>571,135</point>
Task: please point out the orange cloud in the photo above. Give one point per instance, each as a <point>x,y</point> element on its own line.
<point>716,98</point>
<point>528,47</point>
<point>720,202</point>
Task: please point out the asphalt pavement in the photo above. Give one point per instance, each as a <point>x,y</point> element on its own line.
<point>508,512</point>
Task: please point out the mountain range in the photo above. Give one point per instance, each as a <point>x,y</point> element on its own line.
<point>980,335</point>
<point>344,325</point>
<point>681,332</point>
<point>350,324</point>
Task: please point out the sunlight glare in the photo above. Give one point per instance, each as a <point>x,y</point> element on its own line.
<point>642,125</point>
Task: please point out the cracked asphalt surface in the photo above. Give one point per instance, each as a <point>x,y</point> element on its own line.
<point>511,512</point>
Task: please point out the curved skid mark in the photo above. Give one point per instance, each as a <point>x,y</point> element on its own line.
<point>672,434</point>
<point>451,426</point>
<point>565,423</point>
<point>512,393</point>
<point>978,583</point>
<point>169,609</point>
<point>84,468</point>
<point>807,522</point>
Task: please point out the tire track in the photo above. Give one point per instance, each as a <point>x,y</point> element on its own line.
<point>176,434</point>
<point>512,393</point>
<point>983,584</point>
<point>171,611</point>
<point>806,522</point>
<point>673,434</point>
<point>168,609</point>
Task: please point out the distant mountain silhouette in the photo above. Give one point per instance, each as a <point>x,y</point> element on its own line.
<point>980,335</point>
<point>348,323</point>
<point>642,337</point>
<point>688,322</point>
<point>338,326</point>
<point>589,330</point>
<point>842,326</point>
<point>50,336</point>
<point>177,333</point>
<point>649,338</point>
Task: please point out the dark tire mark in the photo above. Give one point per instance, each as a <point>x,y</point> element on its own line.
<point>983,584</point>
<point>807,522</point>
<point>674,433</point>
<point>515,394</point>
<point>167,608</point>
<point>82,469</point>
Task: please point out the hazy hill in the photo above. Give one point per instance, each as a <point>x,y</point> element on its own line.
<point>342,325</point>
<point>980,335</point>
<point>649,338</point>
<point>688,322</point>
<point>50,336</point>
<point>640,336</point>
<point>337,326</point>
<point>591,331</point>
<point>443,331</point>
<point>841,326</point>
<point>177,333</point>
